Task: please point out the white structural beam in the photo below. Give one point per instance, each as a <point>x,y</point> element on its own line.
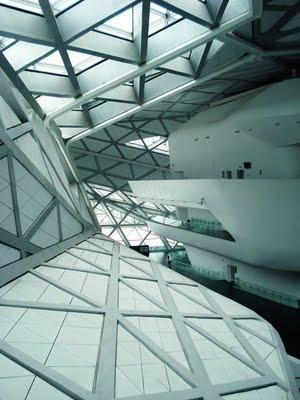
<point>24,26</point>
<point>52,85</point>
<point>101,45</point>
<point>190,84</point>
<point>120,159</point>
<point>194,10</point>
<point>85,17</point>
<point>204,36</point>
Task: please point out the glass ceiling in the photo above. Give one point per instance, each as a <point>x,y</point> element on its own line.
<point>160,18</point>
<point>55,65</point>
<point>123,218</point>
<point>157,144</point>
<point>34,6</point>
<point>4,42</point>
<point>61,73</point>
<point>122,25</point>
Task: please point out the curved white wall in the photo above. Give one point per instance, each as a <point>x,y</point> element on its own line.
<point>260,128</point>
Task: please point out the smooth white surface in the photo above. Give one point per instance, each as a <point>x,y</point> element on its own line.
<point>261,127</point>
<point>169,330</point>
<point>261,215</point>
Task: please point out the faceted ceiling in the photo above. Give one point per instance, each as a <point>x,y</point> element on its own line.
<point>118,78</point>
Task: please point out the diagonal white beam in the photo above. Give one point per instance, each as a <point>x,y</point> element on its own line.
<point>62,383</point>
<point>88,14</point>
<point>24,26</point>
<point>205,36</point>
<point>194,10</point>
<point>122,160</point>
<point>52,22</point>
<point>228,67</point>
<point>105,382</point>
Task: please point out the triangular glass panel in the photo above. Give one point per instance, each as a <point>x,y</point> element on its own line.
<point>130,299</point>
<point>220,331</point>
<point>69,224</point>
<point>127,269</point>
<point>266,352</point>
<point>8,255</point>
<point>172,276</point>
<point>17,382</point>
<point>193,292</point>
<point>105,243</point>
<point>88,246</point>
<point>92,286</point>
<point>141,265</point>
<point>115,235</point>
<point>120,25</point>
<point>163,333</point>
<point>50,64</point>
<point>66,342</point>
<point>186,305</point>
<point>9,118</point>
<point>257,326</point>
<point>107,231</point>
<point>102,260</point>
<point>221,366</point>
<point>140,372</point>
<point>146,286</point>
<point>57,183</point>
<point>32,150</point>
<point>229,306</point>
<point>69,261</point>
<point>7,219</point>
<point>160,18</point>
<point>48,232</point>
<point>30,288</point>
<point>33,198</point>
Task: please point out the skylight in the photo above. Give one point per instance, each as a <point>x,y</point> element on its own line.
<point>55,65</point>
<point>34,6</point>
<point>158,144</point>
<point>160,17</point>
<point>120,25</point>
<point>81,61</point>
<point>119,217</point>
<point>49,103</point>
<point>26,5</point>
<point>52,64</point>
<point>61,5</point>
<point>4,42</point>
<point>152,74</point>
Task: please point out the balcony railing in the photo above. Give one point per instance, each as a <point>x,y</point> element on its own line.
<point>197,273</point>
<point>205,227</point>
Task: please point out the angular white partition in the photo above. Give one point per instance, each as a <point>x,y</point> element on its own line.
<point>100,321</point>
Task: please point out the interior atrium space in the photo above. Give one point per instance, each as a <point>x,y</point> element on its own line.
<point>149,199</point>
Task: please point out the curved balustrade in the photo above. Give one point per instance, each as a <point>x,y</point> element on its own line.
<point>205,227</point>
